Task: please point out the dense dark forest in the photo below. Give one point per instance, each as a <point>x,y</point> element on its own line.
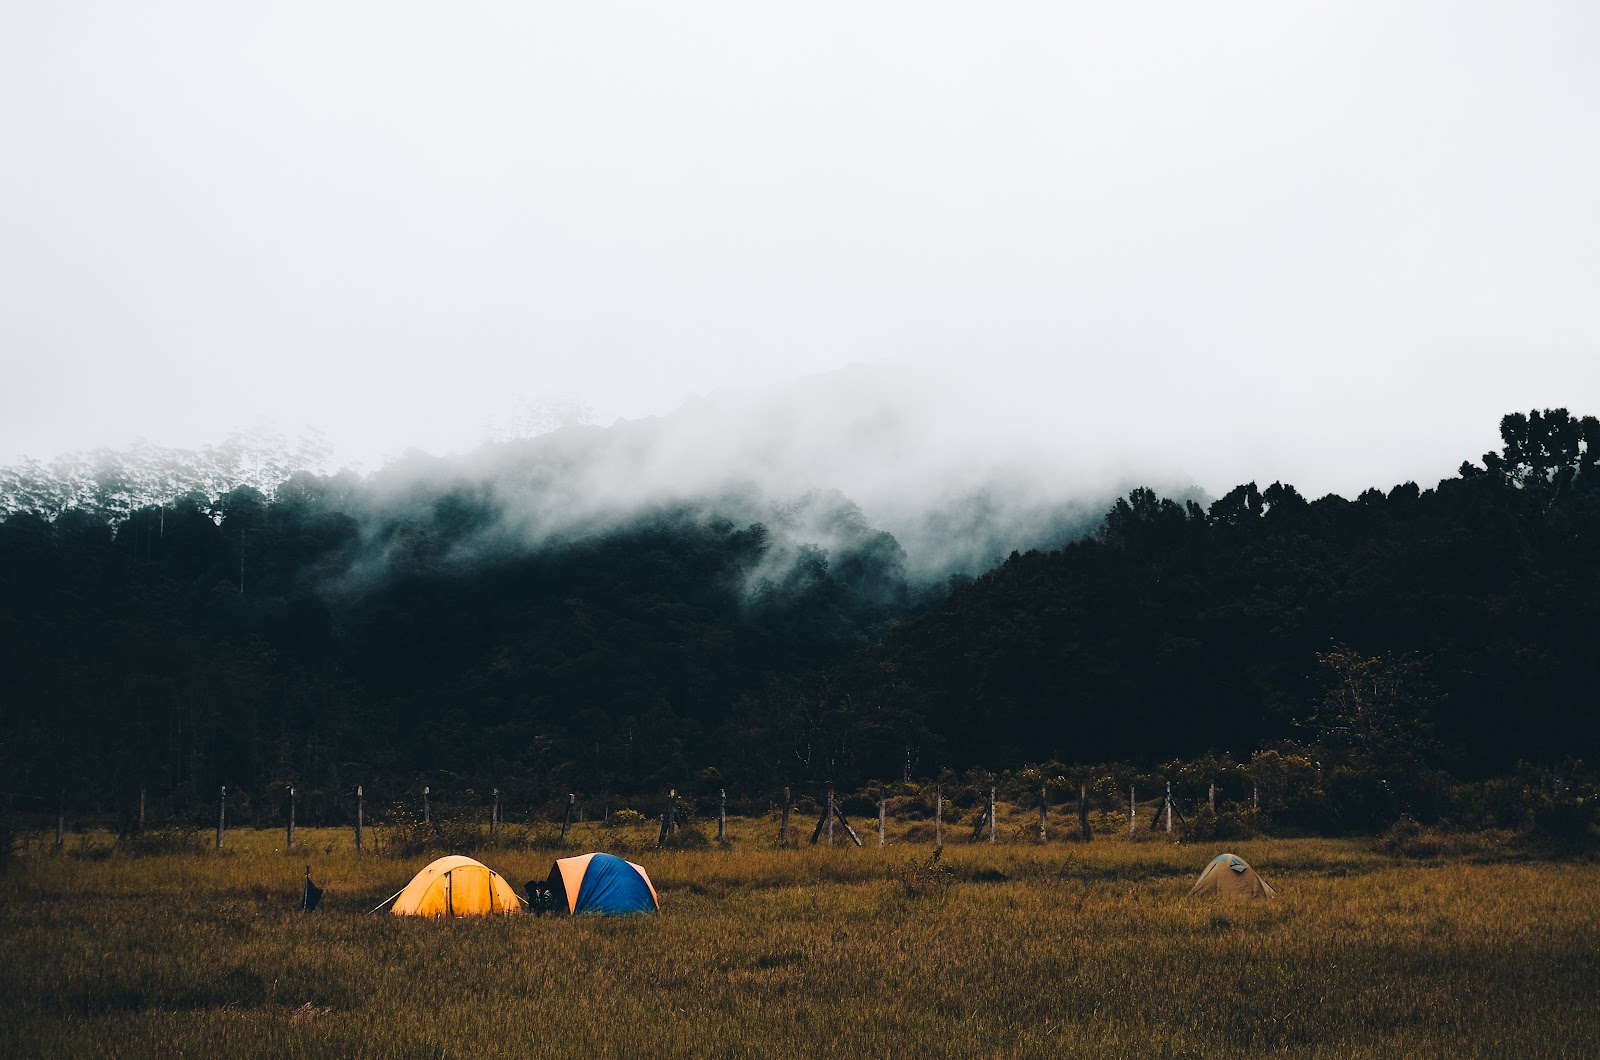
<point>411,628</point>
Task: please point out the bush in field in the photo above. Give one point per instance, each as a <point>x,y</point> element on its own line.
<point>1362,800</point>
<point>1408,839</point>
<point>926,878</point>
<point>159,841</point>
<point>1207,824</point>
<point>624,817</point>
<point>859,806</point>
<point>1564,819</point>
<point>410,838</point>
<point>1108,822</point>
<point>687,838</point>
<point>918,807</point>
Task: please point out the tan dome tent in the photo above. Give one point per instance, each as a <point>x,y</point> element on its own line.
<point>1230,874</point>
<point>456,886</point>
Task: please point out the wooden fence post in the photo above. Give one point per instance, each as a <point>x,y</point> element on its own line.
<point>289,842</point>
<point>883,812</point>
<point>1133,808</point>
<point>61,818</point>
<point>669,820</point>
<point>783,819</point>
<point>222,813</point>
<point>830,815</point>
<point>360,813</point>
<point>427,816</point>
<point>1043,805</point>
<point>1255,796</point>
<point>494,815</point>
<point>1211,796</point>
<point>138,825</point>
<point>722,815</point>
<point>938,815</point>
<point>566,820</point>
<point>1083,810</point>
<point>991,813</point>
<point>1168,807</point>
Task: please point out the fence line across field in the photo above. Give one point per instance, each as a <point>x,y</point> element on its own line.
<point>678,812</point>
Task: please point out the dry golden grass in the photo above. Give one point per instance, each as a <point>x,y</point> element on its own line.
<point>1036,950</point>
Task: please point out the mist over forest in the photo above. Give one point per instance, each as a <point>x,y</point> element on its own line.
<point>525,617</point>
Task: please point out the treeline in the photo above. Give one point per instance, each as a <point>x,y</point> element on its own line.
<point>346,631</point>
<point>399,631</point>
<point>1178,629</point>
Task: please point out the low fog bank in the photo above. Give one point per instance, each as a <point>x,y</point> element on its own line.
<point>822,461</point>
<point>960,470</point>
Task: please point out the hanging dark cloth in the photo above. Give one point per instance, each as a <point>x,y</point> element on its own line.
<point>311,895</point>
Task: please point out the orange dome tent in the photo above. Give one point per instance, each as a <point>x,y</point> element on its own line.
<point>456,886</point>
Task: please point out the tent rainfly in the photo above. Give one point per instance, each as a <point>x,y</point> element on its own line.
<point>456,886</point>
<point>599,883</point>
<point>1229,874</point>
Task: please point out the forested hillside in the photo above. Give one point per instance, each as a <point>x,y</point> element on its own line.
<point>428,626</point>
<point>1176,629</point>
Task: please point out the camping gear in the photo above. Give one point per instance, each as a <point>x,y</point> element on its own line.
<point>1231,875</point>
<point>456,886</point>
<point>310,895</point>
<point>603,884</point>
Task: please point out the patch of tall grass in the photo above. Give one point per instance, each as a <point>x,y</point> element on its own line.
<point>1010,949</point>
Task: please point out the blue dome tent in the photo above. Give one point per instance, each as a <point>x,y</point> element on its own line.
<point>602,884</point>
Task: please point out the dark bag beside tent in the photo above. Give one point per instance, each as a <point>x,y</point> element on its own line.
<point>310,895</point>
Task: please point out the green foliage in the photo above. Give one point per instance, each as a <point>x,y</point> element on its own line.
<point>1569,819</point>
<point>1375,711</point>
<point>432,623</point>
<point>625,817</point>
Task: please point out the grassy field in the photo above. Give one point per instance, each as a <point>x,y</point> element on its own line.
<point>1018,950</point>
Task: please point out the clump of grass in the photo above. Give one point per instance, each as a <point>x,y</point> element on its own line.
<point>927,878</point>
<point>1407,838</point>
<point>154,842</point>
<point>410,838</point>
<point>686,838</point>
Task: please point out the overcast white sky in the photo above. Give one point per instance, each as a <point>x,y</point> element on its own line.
<point>1331,242</point>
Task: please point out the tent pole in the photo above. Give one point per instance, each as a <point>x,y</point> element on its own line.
<point>383,903</point>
